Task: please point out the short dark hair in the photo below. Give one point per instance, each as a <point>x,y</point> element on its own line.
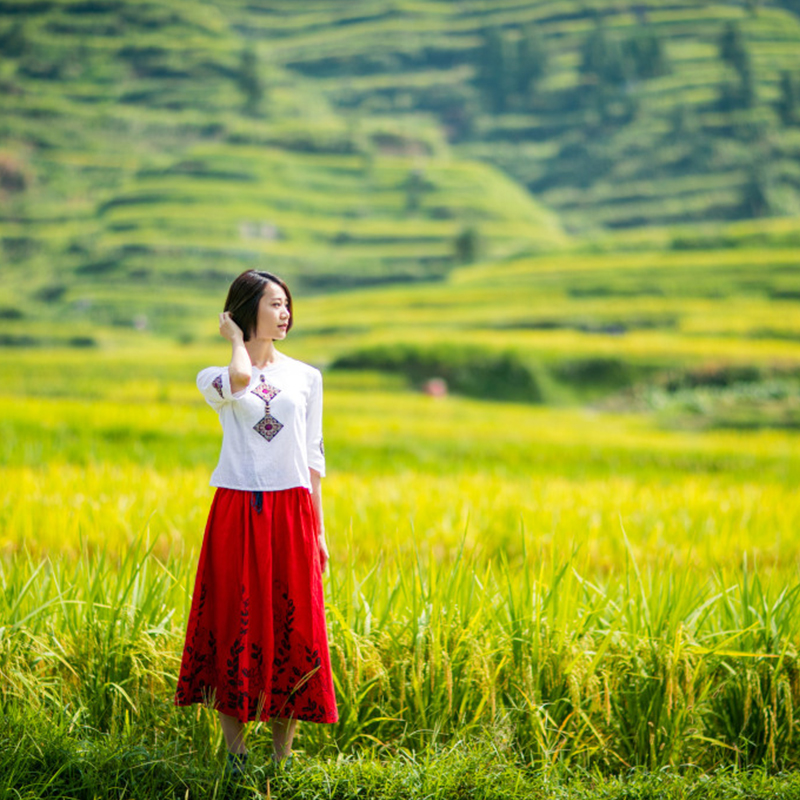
<point>244,295</point>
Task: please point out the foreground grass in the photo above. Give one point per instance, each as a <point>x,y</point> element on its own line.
<point>647,669</point>
<point>41,760</point>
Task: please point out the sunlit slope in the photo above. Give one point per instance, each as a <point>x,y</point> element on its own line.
<point>740,306</point>
<point>346,218</point>
<point>136,183</point>
<point>168,240</point>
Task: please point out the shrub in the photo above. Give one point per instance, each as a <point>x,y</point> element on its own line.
<point>713,375</point>
<point>595,371</point>
<point>477,373</point>
<point>82,341</point>
<point>467,245</point>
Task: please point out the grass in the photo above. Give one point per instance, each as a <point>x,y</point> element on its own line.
<point>519,600</point>
<point>591,596</point>
<point>558,672</point>
<point>144,772</point>
<point>141,459</point>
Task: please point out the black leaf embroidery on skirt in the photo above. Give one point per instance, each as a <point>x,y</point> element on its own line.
<point>200,682</point>
<point>196,658</point>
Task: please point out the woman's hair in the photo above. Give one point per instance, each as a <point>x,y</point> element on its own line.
<point>244,296</point>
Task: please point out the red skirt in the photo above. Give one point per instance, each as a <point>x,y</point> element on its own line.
<point>256,644</point>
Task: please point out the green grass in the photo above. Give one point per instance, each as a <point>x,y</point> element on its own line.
<point>54,765</point>
<point>559,672</point>
<point>521,599</point>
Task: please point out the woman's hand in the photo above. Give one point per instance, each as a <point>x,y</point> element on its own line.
<point>229,329</point>
<point>323,552</point>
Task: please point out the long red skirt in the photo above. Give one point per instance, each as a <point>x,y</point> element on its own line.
<point>256,644</point>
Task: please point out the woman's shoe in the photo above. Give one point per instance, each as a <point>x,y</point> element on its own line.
<point>236,764</point>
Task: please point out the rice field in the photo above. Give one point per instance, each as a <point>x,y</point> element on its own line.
<point>579,589</point>
<point>105,473</point>
<point>592,584</point>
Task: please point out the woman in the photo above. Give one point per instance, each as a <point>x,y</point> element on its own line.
<point>256,644</point>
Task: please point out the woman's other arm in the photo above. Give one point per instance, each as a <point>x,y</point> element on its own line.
<point>316,499</point>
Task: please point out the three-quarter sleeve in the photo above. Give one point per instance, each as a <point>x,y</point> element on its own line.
<point>215,385</point>
<point>315,449</point>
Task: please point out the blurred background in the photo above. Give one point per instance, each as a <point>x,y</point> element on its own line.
<point>573,203</point>
<point>151,151</point>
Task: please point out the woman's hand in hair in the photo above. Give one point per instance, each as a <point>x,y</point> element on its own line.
<point>229,329</point>
<point>240,368</point>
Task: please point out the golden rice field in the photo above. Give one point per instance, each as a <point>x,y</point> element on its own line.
<point>407,471</point>
<point>587,588</point>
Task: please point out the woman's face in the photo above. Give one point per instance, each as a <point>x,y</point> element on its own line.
<point>273,313</point>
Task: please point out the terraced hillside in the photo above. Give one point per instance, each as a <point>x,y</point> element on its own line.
<point>140,171</point>
<point>615,114</point>
<point>148,151</point>
<point>738,305</point>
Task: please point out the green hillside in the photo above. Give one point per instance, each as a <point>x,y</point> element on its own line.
<point>610,112</point>
<point>150,151</point>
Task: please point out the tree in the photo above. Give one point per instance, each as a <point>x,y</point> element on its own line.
<point>755,195</point>
<point>415,185</point>
<point>532,61</point>
<point>467,245</point>
<point>732,49</point>
<point>13,43</point>
<point>747,87</point>
<point>498,69</point>
<point>250,81</point>
<point>646,54</point>
<point>788,102</point>
<point>603,58</point>
<point>733,95</point>
<point>607,65</point>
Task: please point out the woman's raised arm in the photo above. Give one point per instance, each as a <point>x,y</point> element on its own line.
<point>240,369</point>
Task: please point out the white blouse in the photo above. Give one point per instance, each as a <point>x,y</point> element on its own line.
<point>271,430</point>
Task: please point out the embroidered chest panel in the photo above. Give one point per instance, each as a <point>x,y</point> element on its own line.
<point>268,426</point>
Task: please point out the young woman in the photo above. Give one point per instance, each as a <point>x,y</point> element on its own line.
<point>256,644</point>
